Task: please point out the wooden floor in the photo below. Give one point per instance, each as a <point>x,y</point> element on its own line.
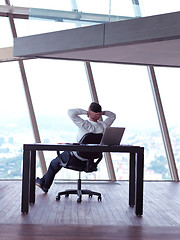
<point>111,218</point>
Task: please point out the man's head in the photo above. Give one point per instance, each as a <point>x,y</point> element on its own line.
<point>95,107</point>
<point>94,112</point>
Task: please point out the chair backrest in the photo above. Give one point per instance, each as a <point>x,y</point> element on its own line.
<point>90,138</point>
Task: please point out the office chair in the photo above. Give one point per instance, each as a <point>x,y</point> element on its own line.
<point>88,166</point>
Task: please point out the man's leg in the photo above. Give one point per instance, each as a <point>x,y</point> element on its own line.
<point>46,181</point>
<point>48,178</point>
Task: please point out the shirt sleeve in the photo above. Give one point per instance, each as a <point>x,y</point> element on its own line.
<point>110,118</point>
<point>74,115</point>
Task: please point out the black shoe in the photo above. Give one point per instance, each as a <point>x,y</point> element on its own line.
<point>44,189</point>
<point>40,184</point>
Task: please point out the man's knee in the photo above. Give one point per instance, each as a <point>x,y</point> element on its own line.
<point>55,165</point>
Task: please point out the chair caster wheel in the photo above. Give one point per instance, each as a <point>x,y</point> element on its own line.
<point>57,198</point>
<point>99,198</point>
<point>90,195</point>
<point>67,195</point>
<point>79,200</point>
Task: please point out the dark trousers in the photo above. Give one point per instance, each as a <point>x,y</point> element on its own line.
<point>55,166</point>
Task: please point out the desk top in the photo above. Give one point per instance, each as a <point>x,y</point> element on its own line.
<point>82,147</point>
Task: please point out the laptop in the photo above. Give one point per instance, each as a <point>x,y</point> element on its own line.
<point>112,136</point>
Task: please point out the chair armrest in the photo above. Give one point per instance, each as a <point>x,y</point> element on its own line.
<point>91,166</point>
<point>99,159</point>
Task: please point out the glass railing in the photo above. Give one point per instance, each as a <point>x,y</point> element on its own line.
<point>82,12</point>
<point>74,16</point>
<point>110,8</point>
<point>79,13</point>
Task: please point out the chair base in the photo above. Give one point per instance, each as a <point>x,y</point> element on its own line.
<point>79,193</point>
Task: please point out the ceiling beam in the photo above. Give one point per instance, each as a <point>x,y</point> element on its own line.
<point>152,41</point>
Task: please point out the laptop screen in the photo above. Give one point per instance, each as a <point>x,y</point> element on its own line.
<point>112,136</point>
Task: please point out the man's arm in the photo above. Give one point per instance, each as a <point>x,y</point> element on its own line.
<point>110,118</point>
<point>74,115</point>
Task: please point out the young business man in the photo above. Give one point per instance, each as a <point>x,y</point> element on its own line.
<point>93,124</point>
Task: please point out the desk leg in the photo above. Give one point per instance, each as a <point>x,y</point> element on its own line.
<point>139,184</point>
<point>32,177</point>
<point>132,180</point>
<point>25,182</point>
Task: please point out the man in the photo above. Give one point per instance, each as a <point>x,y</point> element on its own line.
<point>94,125</point>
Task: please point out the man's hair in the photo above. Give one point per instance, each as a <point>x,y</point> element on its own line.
<point>95,107</point>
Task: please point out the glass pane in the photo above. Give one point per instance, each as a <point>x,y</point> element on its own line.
<point>41,26</point>
<point>15,128</point>
<point>22,27</point>
<point>93,6</point>
<point>6,39</point>
<point>155,7</point>
<point>122,8</point>
<point>126,91</point>
<point>54,4</point>
<point>55,87</point>
<point>169,85</point>
<point>19,3</point>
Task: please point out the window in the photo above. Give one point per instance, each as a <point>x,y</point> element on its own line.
<point>126,90</point>
<point>168,81</point>
<point>15,127</point>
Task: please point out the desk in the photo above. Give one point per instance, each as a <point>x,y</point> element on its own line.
<point>136,169</point>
